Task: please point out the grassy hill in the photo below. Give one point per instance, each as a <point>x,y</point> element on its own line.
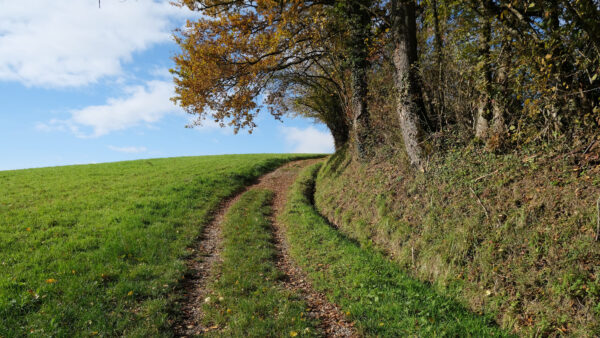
<point>99,249</point>
<point>510,235</point>
<point>380,298</point>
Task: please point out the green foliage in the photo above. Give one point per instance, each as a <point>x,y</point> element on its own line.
<point>372,291</point>
<point>246,298</point>
<point>99,249</point>
<point>530,69</point>
<point>543,58</point>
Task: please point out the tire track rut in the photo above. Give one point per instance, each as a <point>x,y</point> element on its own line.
<point>206,252</point>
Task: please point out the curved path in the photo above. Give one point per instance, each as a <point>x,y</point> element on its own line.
<point>206,252</point>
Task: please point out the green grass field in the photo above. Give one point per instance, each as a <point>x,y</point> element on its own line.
<point>99,249</point>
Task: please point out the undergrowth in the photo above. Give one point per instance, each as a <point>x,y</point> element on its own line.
<point>371,290</point>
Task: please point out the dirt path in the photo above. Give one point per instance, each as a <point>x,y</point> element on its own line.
<point>206,253</point>
<point>332,320</point>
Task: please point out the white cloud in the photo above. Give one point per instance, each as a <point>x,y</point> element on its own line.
<point>57,125</point>
<point>65,43</point>
<point>144,104</point>
<point>128,150</point>
<point>161,73</point>
<point>308,140</point>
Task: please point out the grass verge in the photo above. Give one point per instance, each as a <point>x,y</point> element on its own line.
<point>99,249</point>
<point>511,234</point>
<point>370,289</point>
<point>247,300</point>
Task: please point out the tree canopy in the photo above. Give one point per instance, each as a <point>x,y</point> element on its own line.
<point>506,73</point>
<point>239,50</point>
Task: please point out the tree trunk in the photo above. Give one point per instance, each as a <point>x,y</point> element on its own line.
<point>501,97</point>
<point>484,111</point>
<point>339,130</point>
<point>359,24</point>
<point>410,107</point>
<point>439,63</point>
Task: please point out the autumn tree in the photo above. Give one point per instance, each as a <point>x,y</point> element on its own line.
<point>233,52</point>
<point>242,55</point>
<point>503,71</point>
<point>325,98</point>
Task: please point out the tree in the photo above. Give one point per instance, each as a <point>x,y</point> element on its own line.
<point>238,48</point>
<point>322,105</point>
<point>484,109</point>
<point>555,53</point>
<point>242,55</point>
<point>439,101</point>
<point>358,19</point>
<point>410,106</point>
<point>323,98</point>
<point>509,72</point>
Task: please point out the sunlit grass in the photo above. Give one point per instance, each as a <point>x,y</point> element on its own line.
<point>99,249</point>
<point>372,291</point>
<point>247,300</point>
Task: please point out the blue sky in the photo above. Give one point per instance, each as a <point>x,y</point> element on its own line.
<point>79,84</point>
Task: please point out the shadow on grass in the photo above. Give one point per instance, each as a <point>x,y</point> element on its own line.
<point>373,291</point>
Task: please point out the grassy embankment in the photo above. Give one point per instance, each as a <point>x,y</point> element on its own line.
<point>510,235</point>
<point>99,249</point>
<point>371,290</point>
<point>246,300</point>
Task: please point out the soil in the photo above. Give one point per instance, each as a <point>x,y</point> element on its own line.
<point>332,321</point>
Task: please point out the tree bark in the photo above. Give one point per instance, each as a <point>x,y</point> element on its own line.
<point>501,97</point>
<point>484,111</point>
<point>410,107</point>
<point>359,20</point>
<point>439,63</point>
